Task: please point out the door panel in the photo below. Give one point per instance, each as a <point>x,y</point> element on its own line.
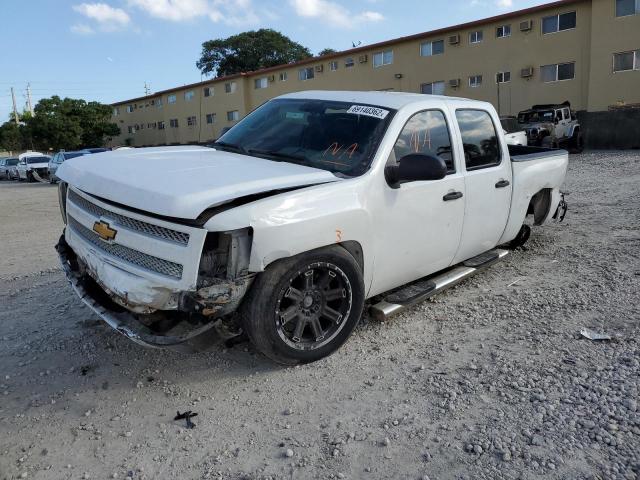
<point>418,230</point>
<point>487,184</point>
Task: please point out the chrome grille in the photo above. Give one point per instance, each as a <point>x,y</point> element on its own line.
<point>148,262</point>
<point>131,223</point>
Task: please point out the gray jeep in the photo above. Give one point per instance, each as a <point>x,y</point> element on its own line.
<point>552,126</point>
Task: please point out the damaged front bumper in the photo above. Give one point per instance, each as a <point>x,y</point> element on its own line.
<point>189,331</point>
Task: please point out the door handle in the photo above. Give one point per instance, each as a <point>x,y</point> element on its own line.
<point>502,184</point>
<point>452,196</point>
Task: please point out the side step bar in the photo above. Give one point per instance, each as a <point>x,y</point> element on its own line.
<point>419,291</point>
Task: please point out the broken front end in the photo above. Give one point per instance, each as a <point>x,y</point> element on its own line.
<point>158,281</point>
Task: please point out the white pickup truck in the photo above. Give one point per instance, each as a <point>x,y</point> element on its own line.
<point>312,204</point>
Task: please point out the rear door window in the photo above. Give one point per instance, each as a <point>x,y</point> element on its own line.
<point>479,139</point>
<point>427,133</point>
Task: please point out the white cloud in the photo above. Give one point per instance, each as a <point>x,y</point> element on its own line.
<point>82,29</point>
<point>334,13</point>
<point>233,12</point>
<point>107,17</point>
<point>504,3</point>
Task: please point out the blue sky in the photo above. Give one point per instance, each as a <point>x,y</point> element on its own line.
<point>107,49</point>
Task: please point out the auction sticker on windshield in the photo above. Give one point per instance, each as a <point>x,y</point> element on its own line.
<point>369,111</point>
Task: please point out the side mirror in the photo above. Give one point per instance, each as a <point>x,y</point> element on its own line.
<point>415,167</point>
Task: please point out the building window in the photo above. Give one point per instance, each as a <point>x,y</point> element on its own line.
<point>434,88</point>
<point>428,49</point>
<point>259,83</point>
<point>557,72</point>
<point>503,77</point>
<point>624,8</point>
<point>626,61</point>
<point>233,116</point>
<point>348,63</point>
<point>171,99</point>
<point>208,91</point>
<point>283,77</point>
<point>333,66</point>
<point>475,80</point>
<point>475,37</point>
<point>211,118</point>
<point>161,125</point>
<point>503,31</point>
<point>191,121</point>
<point>129,108</point>
<point>188,96</point>
<point>305,73</point>
<point>558,23</point>
<point>173,123</point>
<point>116,111</point>
<point>130,129</point>
<point>382,58</point>
<point>230,87</point>
<point>159,102</point>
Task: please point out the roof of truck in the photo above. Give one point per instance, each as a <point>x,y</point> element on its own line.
<point>395,100</point>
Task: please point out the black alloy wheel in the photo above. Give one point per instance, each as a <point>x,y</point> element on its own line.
<point>312,310</point>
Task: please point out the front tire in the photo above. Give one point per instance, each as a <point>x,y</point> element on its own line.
<point>303,308</point>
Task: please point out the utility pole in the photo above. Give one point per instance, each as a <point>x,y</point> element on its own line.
<point>15,109</point>
<point>147,89</point>
<point>29,104</point>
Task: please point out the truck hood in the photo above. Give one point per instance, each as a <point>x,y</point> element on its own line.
<point>182,182</point>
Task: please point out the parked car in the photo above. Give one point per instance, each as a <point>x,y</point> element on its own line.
<point>30,163</point>
<point>8,168</point>
<point>4,168</point>
<point>513,134</point>
<point>313,203</point>
<point>552,126</point>
<point>60,157</point>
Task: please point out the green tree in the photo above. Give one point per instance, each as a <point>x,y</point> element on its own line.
<point>11,136</point>
<point>326,51</point>
<point>69,124</point>
<point>249,51</point>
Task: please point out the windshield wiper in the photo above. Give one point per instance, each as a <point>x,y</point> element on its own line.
<point>276,155</point>
<point>230,146</point>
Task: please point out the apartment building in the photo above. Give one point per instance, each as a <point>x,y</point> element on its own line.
<point>583,51</point>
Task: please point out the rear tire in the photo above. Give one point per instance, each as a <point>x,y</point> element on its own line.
<point>576,144</point>
<point>303,308</point>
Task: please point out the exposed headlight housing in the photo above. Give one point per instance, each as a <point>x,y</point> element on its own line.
<point>62,200</point>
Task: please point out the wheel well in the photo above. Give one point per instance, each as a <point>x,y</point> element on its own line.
<point>539,206</point>
<point>355,249</point>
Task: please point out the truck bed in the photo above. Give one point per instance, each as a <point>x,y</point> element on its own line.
<point>534,169</point>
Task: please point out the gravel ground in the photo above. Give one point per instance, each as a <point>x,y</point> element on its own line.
<point>488,380</point>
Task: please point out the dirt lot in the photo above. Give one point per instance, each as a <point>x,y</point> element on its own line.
<point>489,380</point>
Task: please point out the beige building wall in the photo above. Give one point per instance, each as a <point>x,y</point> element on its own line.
<point>590,45</point>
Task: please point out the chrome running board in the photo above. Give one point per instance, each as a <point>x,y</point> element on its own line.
<point>419,291</point>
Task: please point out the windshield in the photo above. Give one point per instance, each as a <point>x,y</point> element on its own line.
<point>339,137</point>
<point>536,116</point>
<point>12,161</point>
<point>510,125</point>
<point>41,159</point>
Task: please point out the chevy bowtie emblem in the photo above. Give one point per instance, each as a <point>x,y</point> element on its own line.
<point>103,229</point>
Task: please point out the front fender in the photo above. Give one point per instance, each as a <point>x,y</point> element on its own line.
<point>294,222</point>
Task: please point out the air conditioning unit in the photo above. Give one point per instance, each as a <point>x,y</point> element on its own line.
<point>454,39</point>
<point>526,25</point>
<point>272,78</point>
<point>454,83</point>
<point>362,59</point>
<point>319,68</point>
<point>526,72</point>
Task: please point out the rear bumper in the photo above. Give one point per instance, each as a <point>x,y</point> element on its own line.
<point>129,324</point>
